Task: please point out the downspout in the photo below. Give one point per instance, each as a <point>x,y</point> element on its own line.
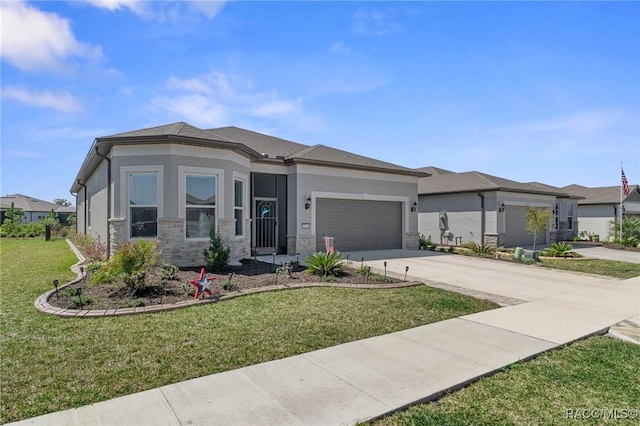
<point>75,195</point>
<point>482,218</point>
<point>108,160</point>
<point>85,207</point>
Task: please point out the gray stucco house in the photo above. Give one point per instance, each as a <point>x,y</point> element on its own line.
<point>176,183</point>
<point>33,209</point>
<point>456,208</point>
<point>600,205</point>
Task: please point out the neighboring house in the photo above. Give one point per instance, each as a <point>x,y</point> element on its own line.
<point>600,206</point>
<point>33,209</point>
<point>455,208</point>
<point>177,183</point>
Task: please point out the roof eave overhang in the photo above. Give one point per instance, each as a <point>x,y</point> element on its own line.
<point>106,144</point>
<point>408,172</point>
<point>493,189</point>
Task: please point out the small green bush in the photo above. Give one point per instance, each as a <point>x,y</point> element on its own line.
<point>325,264</point>
<point>364,270</point>
<point>228,285</point>
<point>216,256</point>
<point>132,304</point>
<point>426,243</point>
<point>558,249</point>
<point>478,248</point>
<point>170,272</point>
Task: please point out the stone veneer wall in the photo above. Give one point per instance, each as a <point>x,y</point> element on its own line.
<point>178,250</point>
<point>494,240</point>
<point>301,244</point>
<point>413,241</point>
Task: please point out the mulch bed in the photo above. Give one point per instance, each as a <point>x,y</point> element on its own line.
<point>158,291</point>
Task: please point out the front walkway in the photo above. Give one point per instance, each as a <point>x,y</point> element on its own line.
<point>368,378</point>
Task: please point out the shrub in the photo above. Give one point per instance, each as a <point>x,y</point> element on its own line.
<point>228,285</point>
<point>169,272</point>
<point>364,270</point>
<point>216,256</point>
<point>478,248</point>
<point>325,264</point>
<point>129,264</point>
<point>94,249</point>
<point>558,249</point>
<point>132,304</point>
<point>426,243</point>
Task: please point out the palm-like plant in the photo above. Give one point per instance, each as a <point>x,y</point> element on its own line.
<point>558,249</point>
<point>325,264</point>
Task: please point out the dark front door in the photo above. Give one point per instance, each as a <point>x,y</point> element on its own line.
<point>266,225</point>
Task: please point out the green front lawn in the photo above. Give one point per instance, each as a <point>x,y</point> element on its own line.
<point>49,364</point>
<point>609,268</point>
<point>580,384</point>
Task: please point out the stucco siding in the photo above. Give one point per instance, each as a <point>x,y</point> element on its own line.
<point>463,218</point>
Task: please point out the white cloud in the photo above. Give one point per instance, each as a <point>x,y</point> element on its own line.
<point>207,7</point>
<point>216,99</point>
<point>580,122</point>
<point>136,6</point>
<point>59,101</point>
<point>373,23</point>
<point>340,48</point>
<point>161,11</point>
<point>33,39</point>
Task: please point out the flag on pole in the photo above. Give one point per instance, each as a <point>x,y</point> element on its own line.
<point>625,183</point>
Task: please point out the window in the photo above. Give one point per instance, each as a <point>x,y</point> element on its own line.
<point>200,205</point>
<point>238,206</point>
<point>570,216</point>
<point>143,204</point>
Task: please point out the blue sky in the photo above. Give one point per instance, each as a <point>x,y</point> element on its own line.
<point>529,91</point>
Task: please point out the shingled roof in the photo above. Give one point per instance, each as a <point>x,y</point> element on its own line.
<point>31,204</point>
<point>256,146</point>
<point>600,195</point>
<point>473,181</point>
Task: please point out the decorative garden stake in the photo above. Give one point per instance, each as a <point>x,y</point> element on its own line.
<point>79,292</point>
<point>361,262</point>
<point>385,269</point>
<point>202,284</point>
<point>82,272</point>
<point>55,284</point>
<point>406,269</point>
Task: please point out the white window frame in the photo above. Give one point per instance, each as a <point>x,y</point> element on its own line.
<point>125,172</point>
<point>183,172</point>
<point>245,202</point>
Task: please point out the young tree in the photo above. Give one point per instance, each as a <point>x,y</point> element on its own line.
<point>537,221</point>
<point>13,218</point>
<point>62,202</point>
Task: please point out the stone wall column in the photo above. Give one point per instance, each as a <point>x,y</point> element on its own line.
<point>117,233</point>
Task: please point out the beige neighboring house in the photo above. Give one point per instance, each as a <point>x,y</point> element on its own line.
<point>600,206</point>
<point>455,208</point>
<point>177,183</point>
<point>33,209</point>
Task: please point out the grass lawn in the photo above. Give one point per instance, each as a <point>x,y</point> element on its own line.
<point>49,364</point>
<point>586,377</point>
<point>610,268</point>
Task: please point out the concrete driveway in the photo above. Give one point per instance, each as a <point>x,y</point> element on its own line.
<point>598,252</point>
<point>475,276</point>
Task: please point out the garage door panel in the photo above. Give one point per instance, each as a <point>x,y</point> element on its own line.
<point>516,228</point>
<point>359,224</point>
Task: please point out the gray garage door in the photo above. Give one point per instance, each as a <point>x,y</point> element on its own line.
<point>359,224</point>
<point>516,228</point>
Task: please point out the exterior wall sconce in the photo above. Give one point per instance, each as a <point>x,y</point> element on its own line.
<point>555,211</point>
<point>414,207</point>
<point>307,204</point>
<point>501,208</point>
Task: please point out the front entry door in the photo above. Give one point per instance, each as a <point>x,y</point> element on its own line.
<point>266,225</point>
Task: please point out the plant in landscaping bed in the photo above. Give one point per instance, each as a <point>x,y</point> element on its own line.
<point>630,231</point>
<point>364,270</point>
<point>478,248</point>
<point>559,249</point>
<point>169,272</point>
<point>325,264</point>
<point>426,243</point>
<point>216,256</point>
<point>129,264</point>
<point>537,221</point>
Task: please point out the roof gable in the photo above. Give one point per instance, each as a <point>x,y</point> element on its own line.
<point>29,204</point>
<point>477,181</point>
<point>602,194</point>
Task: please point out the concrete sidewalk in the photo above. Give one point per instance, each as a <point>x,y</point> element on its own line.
<point>368,378</point>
